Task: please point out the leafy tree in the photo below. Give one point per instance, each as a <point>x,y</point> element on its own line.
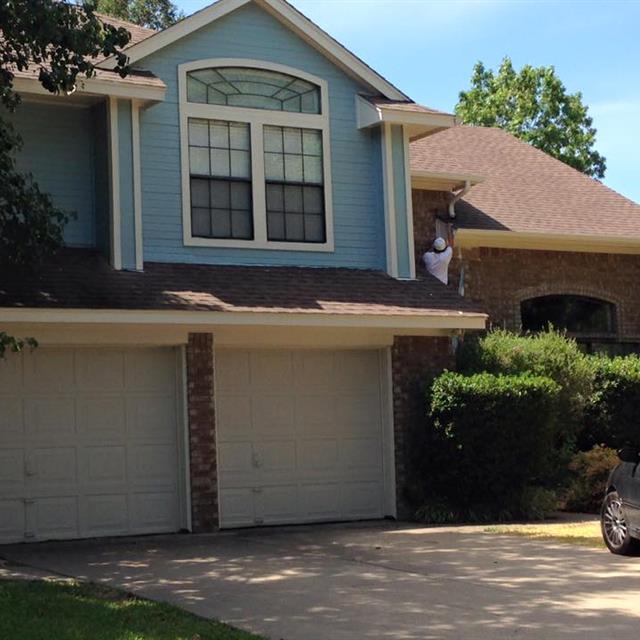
<point>61,41</point>
<point>154,14</point>
<point>533,105</point>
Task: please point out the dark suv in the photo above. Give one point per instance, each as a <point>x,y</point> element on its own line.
<point>620,515</point>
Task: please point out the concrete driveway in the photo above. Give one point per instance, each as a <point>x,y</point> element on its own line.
<point>368,581</point>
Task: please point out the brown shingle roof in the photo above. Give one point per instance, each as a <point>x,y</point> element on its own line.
<point>138,33</point>
<point>524,189</point>
<point>79,279</point>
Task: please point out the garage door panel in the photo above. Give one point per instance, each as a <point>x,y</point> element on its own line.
<point>151,417</point>
<point>235,412</point>
<point>277,504</point>
<point>150,370</point>
<point>50,418</point>
<point>49,369</point>
<point>321,501</point>
<point>153,511</point>
<point>102,418</point>
<point>11,373</point>
<point>53,517</point>
<point>152,465</point>
<point>318,455</point>
<point>105,467</point>
<point>105,515</point>
<point>314,370</point>
<point>52,469</point>
<point>275,457</point>
<point>11,420</point>
<point>89,444</point>
<point>315,414</point>
<point>235,463</point>
<point>100,369</point>
<point>272,414</point>
<point>11,472</point>
<point>362,499</point>
<point>238,507</point>
<point>12,520</point>
<point>272,370</point>
<point>361,456</point>
<point>357,370</point>
<point>312,450</point>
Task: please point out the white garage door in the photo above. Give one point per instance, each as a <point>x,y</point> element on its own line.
<point>88,443</point>
<point>299,436</point>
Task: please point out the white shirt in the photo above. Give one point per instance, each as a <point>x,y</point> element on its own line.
<point>437,264</point>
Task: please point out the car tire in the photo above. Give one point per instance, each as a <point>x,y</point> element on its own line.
<point>615,528</point>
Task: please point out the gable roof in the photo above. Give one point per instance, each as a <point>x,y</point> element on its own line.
<point>524,190</point>
<point>285,13</point>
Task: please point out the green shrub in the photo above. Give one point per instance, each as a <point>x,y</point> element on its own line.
<point>590,470</point>
<point>550,354</point>
<point>487,446</point>
<point>612,414</point>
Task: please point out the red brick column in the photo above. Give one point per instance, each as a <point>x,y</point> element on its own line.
<point>202,426</point>
<point>416,360</point>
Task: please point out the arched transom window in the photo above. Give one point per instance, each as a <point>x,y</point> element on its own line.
<point>253,88</point>
<point>579,315</point>
<point>255,157</point>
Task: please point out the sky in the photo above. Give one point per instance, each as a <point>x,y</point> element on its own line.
<point>427,48</point>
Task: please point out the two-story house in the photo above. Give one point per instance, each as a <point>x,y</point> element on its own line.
<point>233,335</point>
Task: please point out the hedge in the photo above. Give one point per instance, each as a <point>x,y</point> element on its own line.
<point>488,439</point>
<point>612,415</point>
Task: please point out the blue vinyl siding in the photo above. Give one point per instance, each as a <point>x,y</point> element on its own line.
<point>127,222</point>
<point>251,33</point>
<point>400,200</point>
<point>102,178</point>
<point>59,151</point>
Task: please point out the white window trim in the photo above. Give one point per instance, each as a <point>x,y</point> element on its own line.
<point>256,118</point>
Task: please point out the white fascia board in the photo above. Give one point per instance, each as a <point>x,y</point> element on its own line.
<point>98,87</point>
<point>442,320</point>
<point>286,14</point>
<point>421,178</point>
<point>371,115</point>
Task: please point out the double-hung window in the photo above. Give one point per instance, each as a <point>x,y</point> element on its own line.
<point>255,156</point>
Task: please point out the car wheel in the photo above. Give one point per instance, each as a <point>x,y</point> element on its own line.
<point>615,529</point>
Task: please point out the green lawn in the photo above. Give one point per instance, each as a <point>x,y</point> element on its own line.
<point>585,534</point>
<point>71,611</point>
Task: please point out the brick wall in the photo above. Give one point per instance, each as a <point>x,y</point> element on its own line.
<point>499,279</point>
<point>415,361</point>
<point>202,447</point>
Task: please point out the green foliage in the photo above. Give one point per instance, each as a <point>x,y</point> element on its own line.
<point>533,105</point>
<point>612,414</point>
<point>16,345</point>
<point>488,442</point>
<point>154,14</point>
<point>550,354</point>
<point>590,472</point>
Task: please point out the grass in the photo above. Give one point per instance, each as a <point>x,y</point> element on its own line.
<point>42,610</point>
<point>584,534</point>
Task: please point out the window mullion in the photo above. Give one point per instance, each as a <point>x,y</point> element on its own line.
<point>258,182</point>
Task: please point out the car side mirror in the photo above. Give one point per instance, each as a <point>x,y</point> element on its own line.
<point>629,454</point>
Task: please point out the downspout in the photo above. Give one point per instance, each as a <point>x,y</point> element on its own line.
<point>458,196</point>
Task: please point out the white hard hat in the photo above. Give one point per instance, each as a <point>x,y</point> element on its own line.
<point>439,244</point>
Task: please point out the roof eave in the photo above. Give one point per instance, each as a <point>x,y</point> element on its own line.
<point>443,180</point>
<point>544,241</point>
<point>147,94</point>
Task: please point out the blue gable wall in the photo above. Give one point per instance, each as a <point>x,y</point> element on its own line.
<point>358,216</point>
<point>59,151</point>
